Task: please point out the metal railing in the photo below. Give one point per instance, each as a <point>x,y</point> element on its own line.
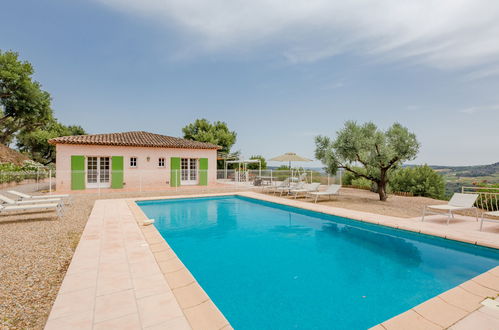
<point>41,179</point>
<point>488,197</point>
<point>271,177</point>
<point>133,179</point>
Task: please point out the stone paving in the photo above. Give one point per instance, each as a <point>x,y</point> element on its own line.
<point>114,281</point>
<point>124,275</point>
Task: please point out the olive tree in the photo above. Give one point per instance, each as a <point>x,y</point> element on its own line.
<point>367,152</point>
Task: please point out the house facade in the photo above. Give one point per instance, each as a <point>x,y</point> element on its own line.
<point>132,160</point>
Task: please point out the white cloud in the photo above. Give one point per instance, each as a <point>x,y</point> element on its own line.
<point>475,109</point>
<point>441,33</point>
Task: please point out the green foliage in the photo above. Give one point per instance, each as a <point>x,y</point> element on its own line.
<point>348,177</point>
<point>255,166</point>
<point>15,173</point>
<point>419,180</point>
<point>23,104</point>
<point>377,152</point>
<point>35,142</point>
<point>217,133</point>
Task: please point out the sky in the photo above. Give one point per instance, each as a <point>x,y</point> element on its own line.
<point>278,72</point>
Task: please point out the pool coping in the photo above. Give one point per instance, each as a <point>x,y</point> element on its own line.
<point>439,312</point>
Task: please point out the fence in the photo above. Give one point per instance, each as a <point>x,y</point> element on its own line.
<point>270,177</point>
<point>100,179</point>
<point>41,179</point>
<point>488,197</point>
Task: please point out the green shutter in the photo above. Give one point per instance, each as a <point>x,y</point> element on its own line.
<point>77,172</point>
<point>117,172</point>
<point>174,171</point>
<point>203,171</point>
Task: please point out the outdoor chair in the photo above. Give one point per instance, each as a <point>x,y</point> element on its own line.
<point>492,214</point>
<point>282,184</point>
<point>24,196</point>
<point>8,209</point>
<point>9,201</point>
<point>292,186</point>
<point>307,188</point>
<point>332,190</point>
<point>458,202</point>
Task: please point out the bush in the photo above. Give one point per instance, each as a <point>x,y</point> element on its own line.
<point>15,173</point>
<point>419,180</point>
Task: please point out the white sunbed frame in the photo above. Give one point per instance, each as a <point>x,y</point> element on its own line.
<point>332,190</point>
<point>312,187</point>
<point>57,207</point>
<point>24,196</point>
<point>295,186</point>
<point>458,202</point>
<point>9,201</point>
<point>491,213</point>
<point>279,184</point>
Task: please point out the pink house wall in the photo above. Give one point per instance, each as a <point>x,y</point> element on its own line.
<point>146,172</point>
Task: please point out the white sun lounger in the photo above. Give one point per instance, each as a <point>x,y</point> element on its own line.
<point>307,188</point>
<point>279,184</point>
<point>287,189</point>
<point>492,214</point>
<point>24,196</point>
<point>9,201</point>
<point>6,209</point>
<point>458,202</point>
<point>332,190</point>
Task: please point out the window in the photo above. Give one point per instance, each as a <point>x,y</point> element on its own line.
<point>161,162</point>
<point>133,161</point>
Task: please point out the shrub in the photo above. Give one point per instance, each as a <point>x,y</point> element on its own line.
<point>15,173</point>
<point>419,180</point>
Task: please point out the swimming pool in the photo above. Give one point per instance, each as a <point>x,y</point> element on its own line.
<point>270,266</point>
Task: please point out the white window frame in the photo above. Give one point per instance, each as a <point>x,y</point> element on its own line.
<point>161,162</point>
<point>130,162</point>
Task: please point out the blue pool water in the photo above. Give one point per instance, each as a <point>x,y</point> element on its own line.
<point>269,266</point>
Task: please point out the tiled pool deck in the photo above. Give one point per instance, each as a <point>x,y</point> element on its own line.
<point>124,275</point>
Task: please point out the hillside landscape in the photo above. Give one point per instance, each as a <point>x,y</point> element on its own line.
<point>459,176</point>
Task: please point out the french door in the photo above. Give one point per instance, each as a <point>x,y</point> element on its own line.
<point>188,171</point>
<point>98,172</point>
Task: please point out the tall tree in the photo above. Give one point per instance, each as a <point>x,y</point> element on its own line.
<point>256,166</point>
<point>35,142</point>
<point>217,133</point>
<point>23,104</point>
<point>376,152</point>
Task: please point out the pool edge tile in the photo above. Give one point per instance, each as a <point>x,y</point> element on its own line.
<point>411,318</point>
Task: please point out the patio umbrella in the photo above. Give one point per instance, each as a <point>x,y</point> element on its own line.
<point>290,157</point>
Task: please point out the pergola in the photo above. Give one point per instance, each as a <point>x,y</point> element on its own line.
<point>245,164</point>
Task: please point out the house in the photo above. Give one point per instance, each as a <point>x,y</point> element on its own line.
<point>132,159</point>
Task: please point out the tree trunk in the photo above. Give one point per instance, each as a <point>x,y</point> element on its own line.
<point>382,191</point>
<point>382,187</point>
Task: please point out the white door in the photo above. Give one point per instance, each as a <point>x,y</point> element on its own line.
<point>189,171</point>
<point>98,172</point>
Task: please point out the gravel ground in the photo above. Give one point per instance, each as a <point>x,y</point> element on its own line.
<point>35,250</point>
<point>367,201</point>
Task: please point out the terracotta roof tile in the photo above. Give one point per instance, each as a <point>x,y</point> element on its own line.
<point>135,139</point>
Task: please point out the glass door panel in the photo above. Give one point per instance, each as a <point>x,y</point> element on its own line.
<point>92,170</point>
<point>98,172</point>
<point>189,173</point>
<point>104,169</point>
<point>193,175</point>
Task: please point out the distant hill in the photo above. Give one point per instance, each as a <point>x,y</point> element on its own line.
<point>470,171</point>
<point>8,155</point>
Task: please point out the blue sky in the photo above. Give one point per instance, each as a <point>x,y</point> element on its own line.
<point>277,74</point>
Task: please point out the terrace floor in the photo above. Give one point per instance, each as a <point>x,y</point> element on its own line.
<point>126,274</point>
<point>36,249</point>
